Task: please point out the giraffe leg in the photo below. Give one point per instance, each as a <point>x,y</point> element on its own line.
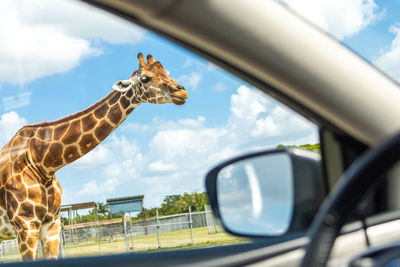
<point>50,237</point>
<point>28,245</point>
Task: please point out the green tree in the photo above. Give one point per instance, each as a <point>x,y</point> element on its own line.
<point>175,204</point>
<point>314,147</point>
<point>102,208</point>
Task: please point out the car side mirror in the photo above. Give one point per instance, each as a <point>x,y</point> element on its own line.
<point>267,194</point>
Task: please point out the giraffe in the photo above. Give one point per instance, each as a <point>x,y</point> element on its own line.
<point>30,194</point>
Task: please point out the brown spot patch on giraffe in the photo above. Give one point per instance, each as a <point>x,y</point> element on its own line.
<point>45,133</point>
<point>56,204</point>
<point>147,95</point>
<point>101,111</point>
<point>3,197</point>
<point>87,143</point>
<point>124,102</point>
<point>73,133</point>
<point>152,94</point>
<point>31,242</point>
<point>38,148</point>
<point>53,157</point>
<point>19,163</point>
<point>44,194</point>
<point>47,219</point>
<point>23,247</point>
<point>40,211</point>
<point>115,98</point>
<point>70,154</point>
<point>26,210</point>
<point>103,130</point>
<point>129,93</point>
<point>88,122</point>
<point>60,130</point>
<point>5,173</point>
<point>20,193</point>
<point>35,194</point>
<point>128,111</point>
<point>50,197</point>
<point>12,204</point>
<point>115,114</point>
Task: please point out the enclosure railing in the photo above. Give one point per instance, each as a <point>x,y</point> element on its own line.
<point>153,233</point>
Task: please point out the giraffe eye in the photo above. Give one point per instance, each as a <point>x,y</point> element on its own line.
<point>145,79</point>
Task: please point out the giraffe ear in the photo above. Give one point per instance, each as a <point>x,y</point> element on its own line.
<point>123,85</point>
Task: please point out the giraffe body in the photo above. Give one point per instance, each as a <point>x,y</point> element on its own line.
<point>30,194</point>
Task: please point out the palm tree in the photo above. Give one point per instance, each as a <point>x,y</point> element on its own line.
<point>102,208</point>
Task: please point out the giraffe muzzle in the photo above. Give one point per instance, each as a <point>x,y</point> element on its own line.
<point>179,97</point>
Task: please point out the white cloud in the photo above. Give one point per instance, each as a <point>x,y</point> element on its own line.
<point>160,166</point>
<point>79,19</point>
<point>341,18</point>
<point>46,37</point>
<point>99,155</point>
<point>181,152</point>
<point>389,61</point>
<point>190,81</point>
<point>92,188</point>
<point>10,123</point>
<point>219,87</point>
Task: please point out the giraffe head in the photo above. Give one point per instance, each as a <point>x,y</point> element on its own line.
<point>152,84</point>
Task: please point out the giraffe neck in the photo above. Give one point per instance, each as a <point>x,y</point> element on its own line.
<point>55,144</point>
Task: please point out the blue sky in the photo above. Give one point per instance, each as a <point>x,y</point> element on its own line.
<point>59,57</point>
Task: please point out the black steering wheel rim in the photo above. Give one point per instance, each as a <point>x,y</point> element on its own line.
<point>363,174</point>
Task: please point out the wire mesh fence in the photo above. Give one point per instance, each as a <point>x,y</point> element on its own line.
<point>113,236</point>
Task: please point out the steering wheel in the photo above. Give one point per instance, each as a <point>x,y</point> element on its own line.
<point>362,175</point>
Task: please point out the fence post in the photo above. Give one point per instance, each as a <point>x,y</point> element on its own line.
<point>158,231</point>
<point>191,224</point>
<point>126,235</point>
<point>130,220</point>
<point>111,230</point>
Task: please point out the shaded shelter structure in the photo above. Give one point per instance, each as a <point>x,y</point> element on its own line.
<point>72,210</point>
<point>126,205</point>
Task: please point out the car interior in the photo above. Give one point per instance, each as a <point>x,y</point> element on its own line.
<point>346,201</point>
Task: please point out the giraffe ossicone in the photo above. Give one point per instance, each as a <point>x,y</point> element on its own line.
<point>30,194</point>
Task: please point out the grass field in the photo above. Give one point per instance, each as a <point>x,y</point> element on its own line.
<point>170,240</point>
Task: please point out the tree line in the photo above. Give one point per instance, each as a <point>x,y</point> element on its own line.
<point>172,204</point>
<point>314,147</point>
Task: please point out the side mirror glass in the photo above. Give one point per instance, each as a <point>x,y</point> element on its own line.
<point>255,195</point>
<point>266,194</point>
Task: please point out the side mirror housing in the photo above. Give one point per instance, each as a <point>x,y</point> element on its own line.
<point>267,194</point>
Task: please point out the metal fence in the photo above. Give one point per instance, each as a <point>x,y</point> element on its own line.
<point>110,236</point>
<point>114,230</point>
